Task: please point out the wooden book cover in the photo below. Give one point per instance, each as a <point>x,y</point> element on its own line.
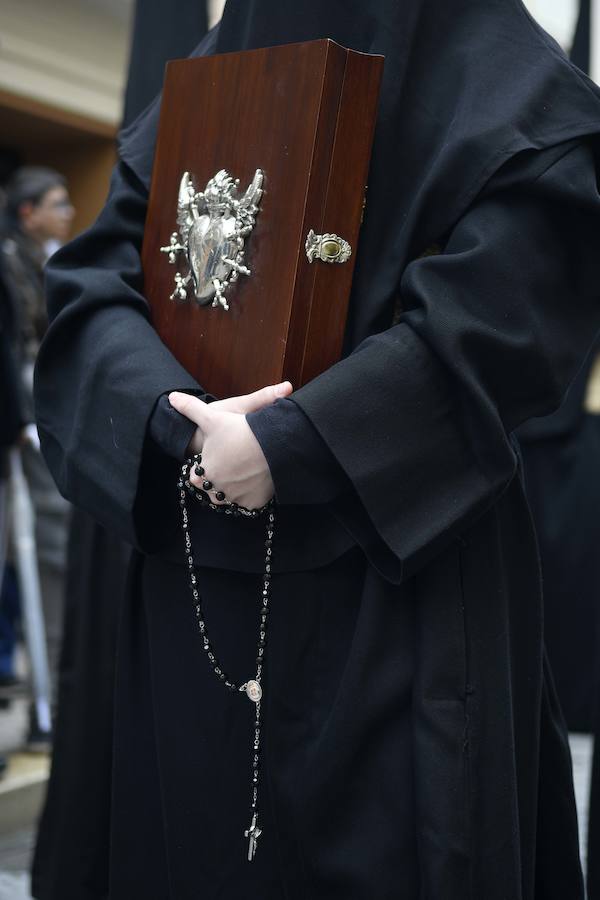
<point>294,124</point>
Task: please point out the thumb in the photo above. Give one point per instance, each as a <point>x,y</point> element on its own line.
<point>264,397</point>
<point>192,408</point>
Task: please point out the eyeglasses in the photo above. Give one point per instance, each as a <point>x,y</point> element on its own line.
<point>59,205</point>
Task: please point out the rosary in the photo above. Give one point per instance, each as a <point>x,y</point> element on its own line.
<point>251,688</point>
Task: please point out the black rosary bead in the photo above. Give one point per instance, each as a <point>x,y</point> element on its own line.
<point>207,485</point>
<point>199,470</point>
<point>220,495</point>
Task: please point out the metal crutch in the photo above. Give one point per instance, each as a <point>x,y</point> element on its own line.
<point>23,530</point>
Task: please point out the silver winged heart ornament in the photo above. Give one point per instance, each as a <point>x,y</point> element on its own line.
<point>213,227</point>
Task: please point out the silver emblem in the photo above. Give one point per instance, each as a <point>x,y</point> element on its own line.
<point>213,225</point>
<point>329,248</point>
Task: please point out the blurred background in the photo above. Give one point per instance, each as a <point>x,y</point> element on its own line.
<point>72,73</point>
<point>63,69</point>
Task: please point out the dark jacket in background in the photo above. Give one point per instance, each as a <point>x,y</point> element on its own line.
<point>13,402</point>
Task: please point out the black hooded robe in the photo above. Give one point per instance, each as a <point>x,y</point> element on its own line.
<point>413,743</point>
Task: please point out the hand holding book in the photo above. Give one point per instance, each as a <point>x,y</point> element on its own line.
<point>232,457</point>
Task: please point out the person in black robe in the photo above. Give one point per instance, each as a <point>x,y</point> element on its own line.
<point>414,747</point>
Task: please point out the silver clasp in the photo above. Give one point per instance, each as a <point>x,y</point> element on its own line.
<point>329,248</point>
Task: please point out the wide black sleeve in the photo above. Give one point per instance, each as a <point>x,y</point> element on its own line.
<point>101,371</point>
<point>170,431</point>
<point>419,417</point>
<point>303,468</point>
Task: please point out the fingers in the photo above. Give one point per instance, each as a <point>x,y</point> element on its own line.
<point>203,414</point>
<point>252,402</point>
<point>191,407</point>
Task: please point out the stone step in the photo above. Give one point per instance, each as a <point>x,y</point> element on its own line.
<point>22,790</point>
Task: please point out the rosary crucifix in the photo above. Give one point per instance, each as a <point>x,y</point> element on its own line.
<point>253,833</point>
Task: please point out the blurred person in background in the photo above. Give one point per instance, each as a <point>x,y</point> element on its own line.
<point>37,219</point>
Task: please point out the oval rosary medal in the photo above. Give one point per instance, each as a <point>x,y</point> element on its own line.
<point>254,691</point>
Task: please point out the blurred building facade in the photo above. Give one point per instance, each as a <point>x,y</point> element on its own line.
<point>62,69</point>
<point>63,66</point>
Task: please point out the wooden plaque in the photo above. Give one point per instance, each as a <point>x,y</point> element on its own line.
<point>305,115</point>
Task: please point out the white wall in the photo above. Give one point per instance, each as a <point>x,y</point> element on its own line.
<point>595,64</point>
<point>215,11</point>
<point>558,17</point>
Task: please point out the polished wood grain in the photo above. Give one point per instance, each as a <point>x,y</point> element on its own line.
<point>305,114</point>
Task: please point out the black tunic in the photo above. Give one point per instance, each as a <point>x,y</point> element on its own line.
<point>413,745</point>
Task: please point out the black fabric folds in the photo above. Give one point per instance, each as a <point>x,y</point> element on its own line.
<point>489,308</point>
<point>137,139</point>
<point>160,32</point>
